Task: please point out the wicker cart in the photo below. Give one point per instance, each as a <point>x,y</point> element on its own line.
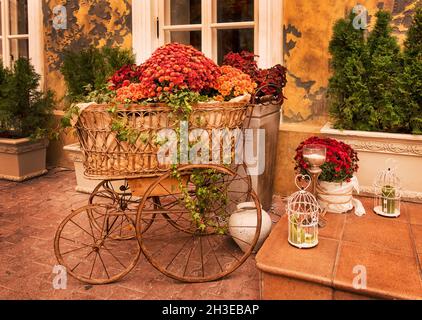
<point>102,241</point>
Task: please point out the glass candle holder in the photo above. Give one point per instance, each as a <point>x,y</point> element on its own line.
<point>388,199</point>
<point>315,154</point>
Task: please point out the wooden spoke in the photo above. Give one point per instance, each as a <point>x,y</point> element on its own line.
<point>187,261</point>
<point>109,251</point>
<point>121,202</point>
<point>215,255</point>
<point>102,268</point>
<point>73,250</point>
<point>93,264</point>
<point>92,235</point>
<point>102,262</point>
<point>178,252</point>
<point>185,252</point>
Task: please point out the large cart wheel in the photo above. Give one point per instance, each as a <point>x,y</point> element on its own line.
<point>175,245</point>
<point>117,194</point>
<point>90,251</point>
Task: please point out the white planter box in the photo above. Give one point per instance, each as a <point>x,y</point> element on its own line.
<point>375,147</point>
<point>83,184</point>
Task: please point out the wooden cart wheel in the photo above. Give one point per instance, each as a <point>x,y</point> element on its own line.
<point>91,254</point>
<point>105,193</point>
<point>181,224</point>
<point>187,253</point>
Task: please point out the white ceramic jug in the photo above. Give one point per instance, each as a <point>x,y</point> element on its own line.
<point>242,223</point>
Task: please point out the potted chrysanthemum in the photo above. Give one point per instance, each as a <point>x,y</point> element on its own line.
<point>337,181</point>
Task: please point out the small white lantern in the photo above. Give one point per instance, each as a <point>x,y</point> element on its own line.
<point>387,190</point>
<point>303,212</point>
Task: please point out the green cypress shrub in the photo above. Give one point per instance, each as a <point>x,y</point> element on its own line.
<point>375,86</point>
<point>87,70</point>
<point>351,106</point>
<point>383,75</point>
<point>411,78</point>
<point>24,109</point>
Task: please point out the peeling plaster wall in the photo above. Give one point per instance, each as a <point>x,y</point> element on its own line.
<point>89,22</point>
<point>307,32</point>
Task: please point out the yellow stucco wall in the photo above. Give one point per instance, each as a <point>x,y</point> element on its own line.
<point>89,22</point>
<point>307,32</point>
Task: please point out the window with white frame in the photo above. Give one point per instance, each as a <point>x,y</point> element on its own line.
<point>215,27</point>
<point>21,32</point>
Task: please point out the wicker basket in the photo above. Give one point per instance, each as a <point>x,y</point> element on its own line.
<point>106,157</point>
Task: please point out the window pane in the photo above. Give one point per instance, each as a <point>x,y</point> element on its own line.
<point>193,38</point>
<point>18,12</point>
<point>235,10</point>
<point>18,48</point>
<point>234,40</point>
<point>185,12</point>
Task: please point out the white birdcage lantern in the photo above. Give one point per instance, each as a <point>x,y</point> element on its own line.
<point>387,190</point>
<point>303,212</point>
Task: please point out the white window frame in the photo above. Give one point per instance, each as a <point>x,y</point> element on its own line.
<point>268,25</point>
<point>34,36</point>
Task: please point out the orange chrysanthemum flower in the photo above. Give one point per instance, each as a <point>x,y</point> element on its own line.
<point>233,83</point>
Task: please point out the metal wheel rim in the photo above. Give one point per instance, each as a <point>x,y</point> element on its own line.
<point>85,279</point>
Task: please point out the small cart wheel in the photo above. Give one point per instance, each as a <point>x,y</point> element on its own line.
<point>89,252</point>
<point>118,195</point>
<point>189,252</point>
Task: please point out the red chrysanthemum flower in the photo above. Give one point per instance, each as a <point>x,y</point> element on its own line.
<point>341,162</point>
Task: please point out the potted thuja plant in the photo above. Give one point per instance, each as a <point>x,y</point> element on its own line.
<point>86,74</point>
<point>375,98</point>
<point>26,122</point>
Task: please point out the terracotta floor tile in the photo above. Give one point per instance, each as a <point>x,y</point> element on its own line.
<point>282,288</point>
<point>382,233</point>
<point>28,222</point>
<point>420,262</point>
<point>415,213</point>
<point>388,274</point>
<point>417,234</point>
<point>314,264</point>
<point>334,227</point>
<point>342,295</point>
<point>368,203</point>
<point>121,293</point>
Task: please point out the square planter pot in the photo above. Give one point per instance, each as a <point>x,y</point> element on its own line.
<point>267,118</point>
<point>83,184</point>
<point>375,147</point>
<point>22,159</point>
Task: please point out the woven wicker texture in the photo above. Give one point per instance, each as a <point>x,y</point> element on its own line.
<point>106,157</point>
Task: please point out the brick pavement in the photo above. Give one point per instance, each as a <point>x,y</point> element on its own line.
<point>29,215</point>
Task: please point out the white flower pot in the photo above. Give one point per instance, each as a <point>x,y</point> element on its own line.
<point>335,197</point>
<point>242,223</point>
